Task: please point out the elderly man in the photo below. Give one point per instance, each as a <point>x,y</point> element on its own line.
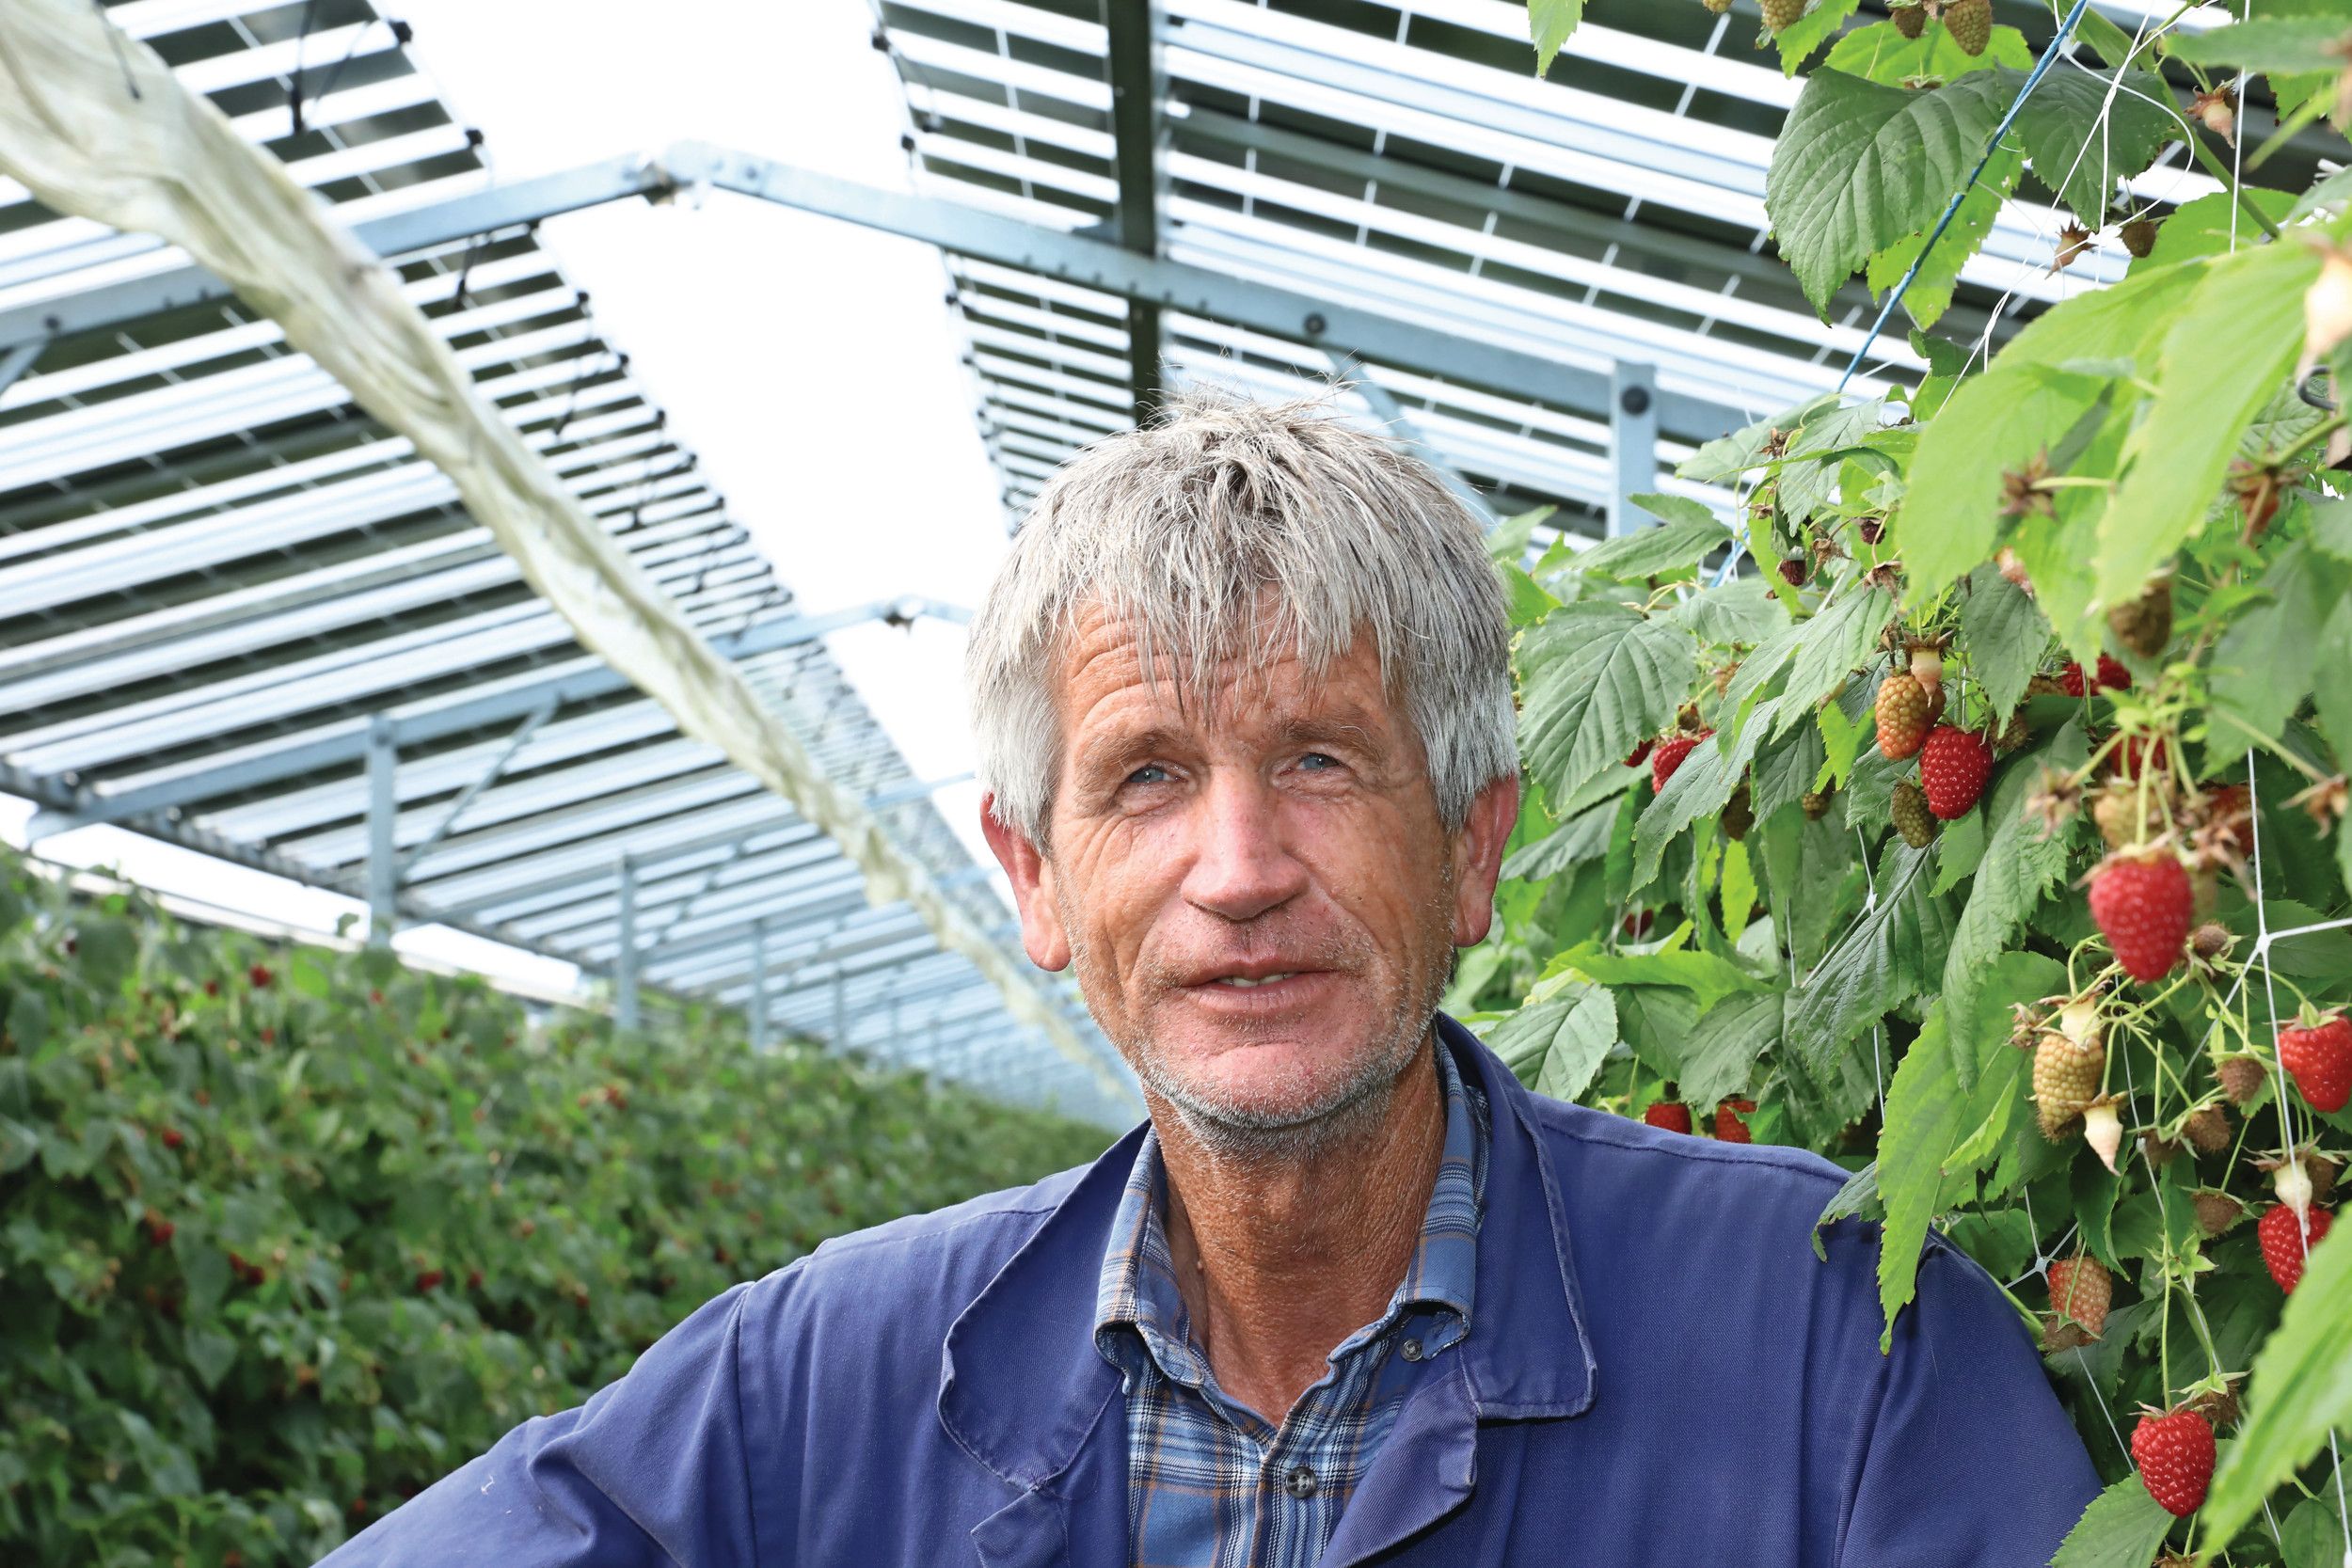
<point>1351,1295</point>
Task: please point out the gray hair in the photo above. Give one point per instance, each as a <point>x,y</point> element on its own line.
<point>1178,531</point>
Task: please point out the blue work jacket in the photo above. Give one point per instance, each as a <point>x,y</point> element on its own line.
<point>1660,1372</point>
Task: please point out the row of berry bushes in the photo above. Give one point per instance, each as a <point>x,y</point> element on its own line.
<point>287,1234</point>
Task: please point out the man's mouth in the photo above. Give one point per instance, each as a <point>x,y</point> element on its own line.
<point>1244,981</point>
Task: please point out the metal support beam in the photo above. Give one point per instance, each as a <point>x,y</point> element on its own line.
<point>840,1011</point>
<point>1404,431</point>
<point>1632,442</point>
<point>18,358</point>
<point>1073,257</point>
<point>1193,289</point>
<point>625,961</point>
<point>759,985</point>
<point>1132,52</point>
<point>500,707</point>
<point>383,816</point>
<point>490,775</point>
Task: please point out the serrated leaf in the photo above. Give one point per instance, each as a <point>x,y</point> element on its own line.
<point>1700,787</point>
<point>1655,1021</point>
<point>1810,31</point>
<point>1927,1116</point>
<point>1550,22</point>
<point>2287,44</point>
<point>1837,641</point>
<point>1857,1195</point>
<point>1724,1043</point>
<point>1594,679</point>
<point>1859,166</point>
<point>1556,1045</point>
<point>2312,1536</point>
<point>2300,1388</point>
<point>1880,53</point>
<point>1816,454</point>
<point>2018,867</point>
<point>1995,422</point>
<point>1741,610</point>
<point>1841,740</point>
<point>1708,976</point>
<point>1524,599</point>
<point>2213,225</point>
<point>2122,1527</point>
<point>2266,661</point>
<point>1727,456</point>
<point>1889,957</point>
<point>1739,887</point>
<point>1786,768</point>
<point>2252,300</point>
<point>211,1352</point>
<point>1680,540</point>
<point>1958,848</point>
<point>1930,292</point>
<point>2084,130</point>
<point>1582,837</point>
<point>1507,544</point>
<point>2002,632</point>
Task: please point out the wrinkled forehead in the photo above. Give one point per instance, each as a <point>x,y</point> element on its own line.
<point>1214,673</point>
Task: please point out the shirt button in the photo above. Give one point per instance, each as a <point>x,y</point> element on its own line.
<point>1300,1483</point>
<point>1412,1350</point>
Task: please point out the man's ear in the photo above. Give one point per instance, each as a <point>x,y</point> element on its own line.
<point>1478,858</point>
<point>1032,877</point>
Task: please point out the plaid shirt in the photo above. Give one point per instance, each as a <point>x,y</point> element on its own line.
<point>1210,1483</point>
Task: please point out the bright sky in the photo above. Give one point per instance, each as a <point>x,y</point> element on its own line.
<point>811,365</point>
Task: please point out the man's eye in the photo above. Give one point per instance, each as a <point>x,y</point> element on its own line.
<point>1137,776</point>
<point>1323,757</point>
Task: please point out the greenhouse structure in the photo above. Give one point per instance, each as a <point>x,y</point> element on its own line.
<point>1839,383</point>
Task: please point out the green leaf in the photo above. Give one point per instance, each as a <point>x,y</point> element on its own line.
<point>28,1021</point>
<point>1524,598</point>
<point>1594,679</point>
<point>2213,225</point>
<point>1928,1114</point>
<point>1682,540</point>
<point>2265,662</point>
<point>1550,22</point>
<point>1880,53</point>
<point>1995,422</point>
<point>2301,1387</point>
<point>108,951</point>
<point>2253,301</point>
<point>1655,1021</point>
<point>1858,1195</point>
<point>1727,456</point>
<point>1889,957</point>
<point>18,1144</point>
<point>1741,610</point>
<point>1720,1052</point>
<point>1700,787</point>
<point>1507,544</point>
<point>1837,641</point>
<point>1810,31</point>
<point>1817,450</point>
<point>2084,130</point>
<point>1556,1045</point>
<point>1708,977</point>
<point>2312,1535</point>
<point>2018,867</point>
<point>2122,1527</point>
<point>1582,837</point>
<point>1958,849</point>
<point>1785,770</point>
<point>1859,166</point>
<point>2002,632</point>
<point>211,1353</point>
<point>2279,45</point>
<point>1930,292</point>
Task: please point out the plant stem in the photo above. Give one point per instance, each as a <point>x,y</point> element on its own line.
<point>2308,439</point>
<point>2220,171</point>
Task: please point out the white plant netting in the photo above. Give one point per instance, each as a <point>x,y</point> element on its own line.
<point>96,125</point>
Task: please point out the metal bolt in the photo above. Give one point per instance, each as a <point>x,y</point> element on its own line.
<point>1634,399</point>
<point>1315,323</point>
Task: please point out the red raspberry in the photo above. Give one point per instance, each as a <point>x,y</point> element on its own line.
<point>2320,1061</point>
<point>2081,1287</point>
<point>173,1138</point>
<point>1639,752</point>
<point>1671,1114</point>
<point>2174,1454</point>
<point>2143,905</point>
<point>1953,765</point>
<point>1729,1127</point>
<point>430,1280</point>
<point>2283,1244</point>
<point>2071,679</point>
<point>259,976</point>
<point>2135,752</point>
<point>2112,675</point>
<point>1669,756</point>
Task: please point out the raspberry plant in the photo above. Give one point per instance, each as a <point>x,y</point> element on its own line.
<point>2038,1007</point>
<point>285,1236</point>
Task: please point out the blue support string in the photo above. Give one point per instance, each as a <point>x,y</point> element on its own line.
<point>1951,210</point>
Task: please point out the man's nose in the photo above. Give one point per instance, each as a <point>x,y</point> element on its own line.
<point>1241,864</point>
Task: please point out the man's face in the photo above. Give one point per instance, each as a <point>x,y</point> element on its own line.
<point>1257,891</point>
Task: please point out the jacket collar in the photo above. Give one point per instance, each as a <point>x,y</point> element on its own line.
<point>1021,1387</point>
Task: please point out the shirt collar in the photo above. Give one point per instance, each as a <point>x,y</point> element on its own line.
<point>1138,1285</point>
